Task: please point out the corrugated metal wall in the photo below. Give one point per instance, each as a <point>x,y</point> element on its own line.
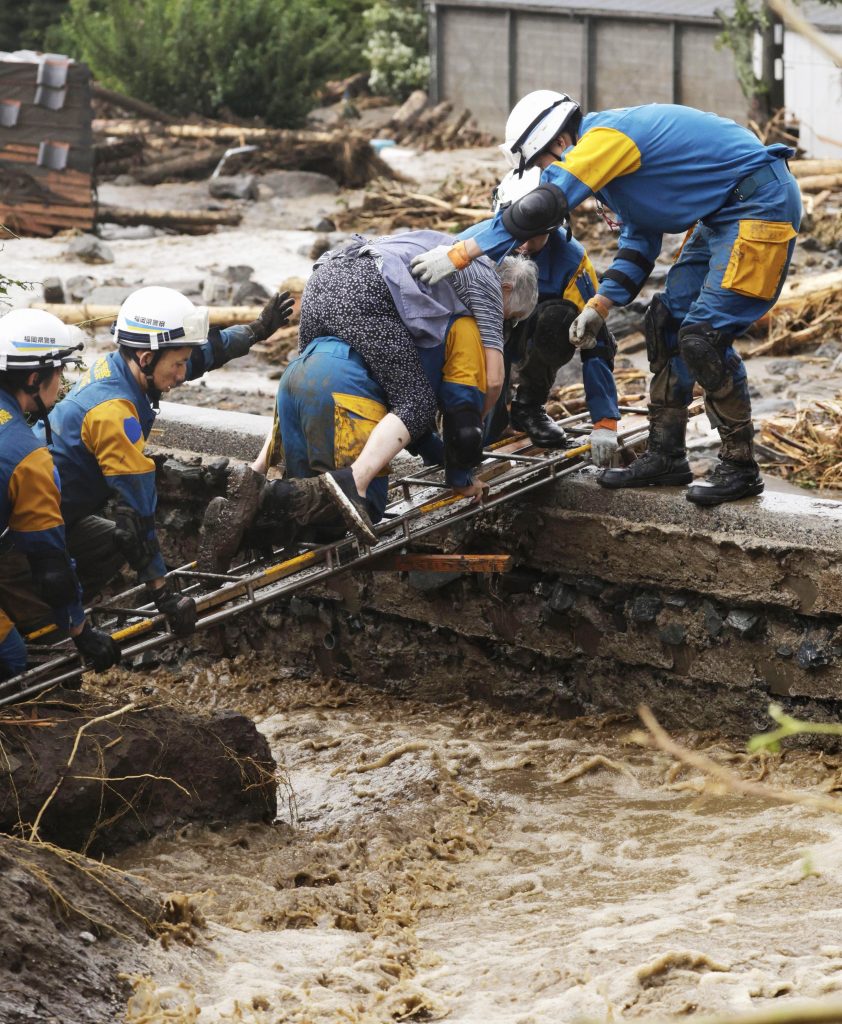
<point>485,59</point>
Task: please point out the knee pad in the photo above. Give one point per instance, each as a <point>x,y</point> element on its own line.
<point>462,437</point>
<point>536,213</point>
<point>551,327</point>
<point>658,324</point>
<point>703,350</point>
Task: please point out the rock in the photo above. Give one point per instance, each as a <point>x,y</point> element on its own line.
<point>213,470</point>
<point>191,287</point>
<point>78,288</point>
<point>182,474</point>
<point>712,620</point>
<point>299,184</point>
<point>250,293</point>
<point>562,598</point>
<point>234,186</point>
<point>238,274</point>
<point>590,585</point>
<point>295,285</point>
<point>747,624</point>
<point>124,180</point>
<point>320,246</point>
<point>829,350</point>
<point>52,288</point>
<point>109,294</point>
<point>812,654</point>
<point>173,768</point>
<point>324,225</point>
<point>645,608</point>
<point>89,249</point>
<point>676,600</point>
<point>672,634</point>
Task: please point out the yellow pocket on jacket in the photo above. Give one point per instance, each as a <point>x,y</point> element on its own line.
<point>758,257</point>
<point>354,418</point>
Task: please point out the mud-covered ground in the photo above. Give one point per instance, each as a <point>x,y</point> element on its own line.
<point>448,862</point>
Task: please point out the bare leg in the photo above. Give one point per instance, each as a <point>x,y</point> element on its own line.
<point>388,438</point>
<point>261,463</point>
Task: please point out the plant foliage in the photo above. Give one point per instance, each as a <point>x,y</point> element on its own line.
<point>397,48</point>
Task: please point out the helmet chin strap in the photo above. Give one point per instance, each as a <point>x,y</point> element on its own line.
<point>148,371</point>
<point>34,391</point>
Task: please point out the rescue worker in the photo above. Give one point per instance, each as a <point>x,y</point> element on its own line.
<point>661,168</point>
<point>99,430</point>
<point>541,343</point>
<point>35,346</point>
<point>329,403</point>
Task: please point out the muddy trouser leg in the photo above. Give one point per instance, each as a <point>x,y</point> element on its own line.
<point>90,541</point>
<point>548,348</point>
<point>18,597</point>
<point>347,298</point>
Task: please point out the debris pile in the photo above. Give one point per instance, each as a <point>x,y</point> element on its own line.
<point>806,446</point>
<point>421,126</point>
<point>808,312</point>
<point>569,399</point>
<point>391,206</point>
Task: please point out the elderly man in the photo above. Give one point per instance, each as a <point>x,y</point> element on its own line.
<point>662,168</point>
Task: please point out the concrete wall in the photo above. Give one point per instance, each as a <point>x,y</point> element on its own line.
<point>485,59</point>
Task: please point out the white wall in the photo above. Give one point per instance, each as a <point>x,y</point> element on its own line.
<point>813,92</point>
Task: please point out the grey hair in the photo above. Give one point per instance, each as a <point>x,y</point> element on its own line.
<point>520,273</point>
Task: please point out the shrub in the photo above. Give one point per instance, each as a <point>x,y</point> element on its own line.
<point>397,47</point>
<point>254,58</point>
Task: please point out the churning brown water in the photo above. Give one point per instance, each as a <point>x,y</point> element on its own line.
<point>438,863</point>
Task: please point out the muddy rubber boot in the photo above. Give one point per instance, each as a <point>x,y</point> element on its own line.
<point>534,420</point>
<point>226,519</point>
<point>736,475</point>
<point>664,463</point>
<point>339,486</point>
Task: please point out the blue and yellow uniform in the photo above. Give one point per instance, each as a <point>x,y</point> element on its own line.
<point>30,508</point>
<point>328,404</point>
<point>99,432</point>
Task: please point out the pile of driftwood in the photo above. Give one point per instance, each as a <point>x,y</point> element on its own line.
<point>806,446</point>
<point>570,399</point>
<point>421,126</point>
<point>808,312</point>
<point>154,152</point>
<point>392,206</point>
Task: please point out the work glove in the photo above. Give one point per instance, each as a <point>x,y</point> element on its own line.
<point>603,446</point>
<point>275,314</point>
<point>587,326</point>
<point>97,648</point>
<point>439,263</point>
<point>181,611</point>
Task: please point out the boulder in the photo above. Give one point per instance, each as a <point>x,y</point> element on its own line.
<point>299,184</point>
<point>53,290</point>
<point>234,186</point>
<point>89,249</point>
<point>79,287</point>
<point>144,770</point>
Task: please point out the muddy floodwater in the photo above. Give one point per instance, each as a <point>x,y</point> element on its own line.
<point>455,863</point>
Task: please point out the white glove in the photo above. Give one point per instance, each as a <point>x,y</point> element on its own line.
<point>435,265</point>
<point>603,446</point>
<point>585,328</point>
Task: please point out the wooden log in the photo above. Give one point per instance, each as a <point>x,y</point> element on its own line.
<point>441,563</point>
<point>819,182</point>
<point>82,312</point>
<point>118,99</point>
<point>807,168</point>
<point>183,220</point>
<point>192,165</point>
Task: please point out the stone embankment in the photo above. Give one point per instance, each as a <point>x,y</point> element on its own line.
<point>616,597</point>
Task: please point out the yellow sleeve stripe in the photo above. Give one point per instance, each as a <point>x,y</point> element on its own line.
<point>35,498</point>
<point>464,359</point>
<point>104,435</point>
<point>601,155</point>
<point>572,292</point>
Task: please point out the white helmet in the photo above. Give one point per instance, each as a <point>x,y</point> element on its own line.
<point>515,186</point>
<point>32,339</point>
<point>155,318</point>
<point>535,121</point>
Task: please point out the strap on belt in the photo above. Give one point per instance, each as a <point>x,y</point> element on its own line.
<point>746,188</point>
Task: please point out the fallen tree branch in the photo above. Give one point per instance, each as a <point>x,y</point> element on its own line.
<point>124,102</point>
<point>186,221</point>
<point>727,780</point>
<point>83,314</point>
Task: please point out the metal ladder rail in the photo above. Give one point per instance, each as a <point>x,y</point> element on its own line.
<point>546,469</point>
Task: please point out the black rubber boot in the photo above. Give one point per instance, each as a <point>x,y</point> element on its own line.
<point>340,488</point>
<point>665,463</point>
<point>736,475</point>
<point>535,421</point>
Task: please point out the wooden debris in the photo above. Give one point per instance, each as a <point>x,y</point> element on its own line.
<point>421,126</point>
<point>808,168</point>
<point>820,182</point>
<point>86,313</point>
<point>807,445</point>
<point>808,311</point>
<point>390,206</point>
<point>119,99</point>
<point>570,399</point>
<point>188,222</point>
